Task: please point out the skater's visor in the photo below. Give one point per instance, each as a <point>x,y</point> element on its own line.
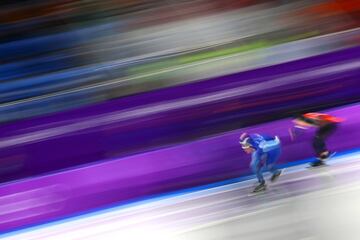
<point>245,144</point>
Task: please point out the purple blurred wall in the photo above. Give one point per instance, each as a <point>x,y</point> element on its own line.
<point>40,199</point>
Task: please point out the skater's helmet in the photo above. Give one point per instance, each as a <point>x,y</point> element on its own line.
<point>246,141</point>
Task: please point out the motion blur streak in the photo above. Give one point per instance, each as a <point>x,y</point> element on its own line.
<point>300,206</point>
<point>273,55</point>
<point>106,49</point>
<point>35,202</point>
<point>84,124</point>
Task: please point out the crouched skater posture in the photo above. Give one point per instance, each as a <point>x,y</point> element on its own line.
<point>265,151</point>
<point>326,126</point>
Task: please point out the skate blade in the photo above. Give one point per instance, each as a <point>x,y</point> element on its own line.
<point>252,194</point>
<point>318,167</point>
<point>329,157</point>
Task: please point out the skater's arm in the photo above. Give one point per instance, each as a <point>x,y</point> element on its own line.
<point>296,131</point>
<point>292,134</point>
<point>299,127</point>
<point>269,145</point>
<point>302,124</point>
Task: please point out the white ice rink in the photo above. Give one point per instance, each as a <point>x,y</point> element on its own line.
<point>305,204</point>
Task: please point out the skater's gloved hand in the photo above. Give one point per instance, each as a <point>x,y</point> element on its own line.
<point>292,134</point>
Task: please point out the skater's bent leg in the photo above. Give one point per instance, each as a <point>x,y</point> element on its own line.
<point>319,142</point>
<point>273,157</point>
<point>273,169</point>
<point>257,169</point>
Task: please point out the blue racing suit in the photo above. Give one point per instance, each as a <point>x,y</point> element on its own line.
<point>267,152</point>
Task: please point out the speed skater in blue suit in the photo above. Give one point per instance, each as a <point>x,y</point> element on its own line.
<point>265,152</point>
